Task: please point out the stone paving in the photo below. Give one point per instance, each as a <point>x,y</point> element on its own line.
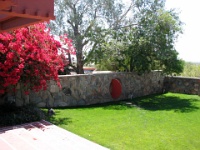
<point>43,136</point>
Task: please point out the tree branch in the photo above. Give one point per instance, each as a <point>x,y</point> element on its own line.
<point>84,43</point>
<point>126,12</point>
<point>71,24</point>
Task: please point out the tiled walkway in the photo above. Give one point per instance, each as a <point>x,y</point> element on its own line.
<point>43,136</point>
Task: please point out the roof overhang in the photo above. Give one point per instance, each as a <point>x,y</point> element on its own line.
<point>19,13</point>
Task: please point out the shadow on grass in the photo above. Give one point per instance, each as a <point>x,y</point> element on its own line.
<point>177,103</point>
<point>59,121</point>
<point>154,103</point>
<point>163,102</point>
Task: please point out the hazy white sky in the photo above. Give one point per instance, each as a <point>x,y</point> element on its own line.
<point>188,44</point>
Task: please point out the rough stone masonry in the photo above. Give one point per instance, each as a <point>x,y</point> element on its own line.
<point>89,89</point>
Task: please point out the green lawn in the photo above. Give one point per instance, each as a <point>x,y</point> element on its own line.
<point>159,122</point>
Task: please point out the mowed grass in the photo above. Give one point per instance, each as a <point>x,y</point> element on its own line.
<point>159,122</point>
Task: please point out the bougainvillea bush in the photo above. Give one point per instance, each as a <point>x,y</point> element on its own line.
<point>31,56</point>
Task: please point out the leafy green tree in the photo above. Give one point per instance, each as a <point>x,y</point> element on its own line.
<point>85,22</point>
<point>149,43</point>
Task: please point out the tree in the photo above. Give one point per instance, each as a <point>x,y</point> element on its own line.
<point>30,56</point>
<point>149,44</point>
<point>85,22</point>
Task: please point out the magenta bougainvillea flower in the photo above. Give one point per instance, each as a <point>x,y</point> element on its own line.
<point>31,56</point>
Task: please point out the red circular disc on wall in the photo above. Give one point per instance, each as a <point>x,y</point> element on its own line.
<point>115,88</point>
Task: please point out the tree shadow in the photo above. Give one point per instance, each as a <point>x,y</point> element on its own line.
<point>122,105</point>
<point>162,102</point>
<point>117,105</point>
<point>58,120</point>
<point>155,103</point>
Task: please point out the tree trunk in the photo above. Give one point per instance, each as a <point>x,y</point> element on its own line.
<point>80,64</point>
<point>79,56</point>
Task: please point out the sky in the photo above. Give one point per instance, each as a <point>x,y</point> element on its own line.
<point>188,44</point>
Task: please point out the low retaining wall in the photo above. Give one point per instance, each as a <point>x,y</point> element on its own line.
<point>182,85</point>
<point>93,88</point>
<point>89,89</point>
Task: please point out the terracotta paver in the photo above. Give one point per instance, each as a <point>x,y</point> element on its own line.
<point>43,136</point>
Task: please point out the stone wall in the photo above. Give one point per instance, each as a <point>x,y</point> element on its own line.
<point>182,85</point>
<point>92,88</point>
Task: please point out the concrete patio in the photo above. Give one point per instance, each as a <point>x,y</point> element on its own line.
<point>43,136</point>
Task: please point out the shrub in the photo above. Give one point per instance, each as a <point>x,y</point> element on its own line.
<point>18,115</point>
<point>31,56</point>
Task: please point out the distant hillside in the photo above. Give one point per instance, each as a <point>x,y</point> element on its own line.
<point>191,70</point>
